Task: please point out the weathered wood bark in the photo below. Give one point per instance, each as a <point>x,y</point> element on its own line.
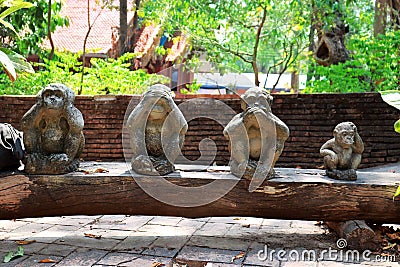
<point>357,234</point>
<point>294,194</point>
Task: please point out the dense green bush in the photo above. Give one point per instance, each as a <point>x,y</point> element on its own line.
<point>374,66</point>
<point>105,76</point>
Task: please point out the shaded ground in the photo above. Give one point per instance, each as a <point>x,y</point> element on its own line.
<point>147,241</point>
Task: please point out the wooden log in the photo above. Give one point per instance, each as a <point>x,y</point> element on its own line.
<point>294,194</point>
<point>357,234</point>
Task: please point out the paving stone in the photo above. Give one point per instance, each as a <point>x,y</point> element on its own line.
<point>147,261</point>
<point>135,243</point>
<point>83,257</point>
<point>7,245</point>
<point>3,235</point>
<point>34,261</point>
<point>172,221</point>
<point>244,231</point>
<point>109,222</point>
<point>87,242</point>
<point>131,223</point>
<point>57,250</point>
<point>55,232</point>
<point>33,248</point>
<point>192,223</point>
<point>117,258</point>
<point>14,262</point>
<point>112,234</point>
<point>260,255</point>
<point>208,254</point>
<point>237,220</point>
<point>166,246</point>
<point>219,242</point>
<point>214,229</point>
<point>8,225</point>
<point>161,251</point>
<point>274,223</point>
<point>68,220</point>
<point>166,230</point>
<point>171,241</point>
<point>299,264</point>
<point>27,231</point>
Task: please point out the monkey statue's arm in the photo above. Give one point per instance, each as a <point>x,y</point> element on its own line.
<point>136,125</point>
<point>73,140</point>
<point>327,148</point>
<point>234,132</point>
<point>282,131</point>
<point>172,140</point>
<point>30,128</point>
<point>358,146</point>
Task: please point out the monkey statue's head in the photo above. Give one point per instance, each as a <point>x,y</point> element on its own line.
<point>256,97</point>
<point>55,96</point>
<point>160,98</point>
<point>344,134</point>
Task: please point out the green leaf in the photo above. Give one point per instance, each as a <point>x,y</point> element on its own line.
<point>397,193</point>
<point>18,5</point>
<point>397,126</point>
<point>8,25</point>
<point>11,255</point>
<point>20,252</point>
<point>19,62</point>
<point>8,66</point>
<point>392,97</point>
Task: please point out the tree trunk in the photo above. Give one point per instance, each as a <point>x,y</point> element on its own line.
<point>135,25</point>
<point>297,194</point>
<point>380,17</point>
<point>49,31</point>
<point>123,26</point>
<point>331,47</point>
<point>357,234</point>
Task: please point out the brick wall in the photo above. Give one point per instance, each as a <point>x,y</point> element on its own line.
<point>311,119</point>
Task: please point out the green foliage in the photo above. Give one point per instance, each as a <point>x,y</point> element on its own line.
<point>32,24</point>
<point>10,61</point>
<point>226,31</point>
<point>392,97</point>
<point>106,76</point>
<point>192,88</point>
<point>13,255</point>
<point>347,77</point>
<point>374,67</point>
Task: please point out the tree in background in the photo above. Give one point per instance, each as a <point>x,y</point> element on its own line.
<point>242,35</point>
<point>10,61</point>
<point>33,24</point>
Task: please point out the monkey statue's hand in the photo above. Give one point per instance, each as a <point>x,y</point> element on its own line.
<point>332,158</point>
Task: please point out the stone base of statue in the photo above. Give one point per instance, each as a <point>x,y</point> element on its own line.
<point>346,175</point>
<point>249,170</point>
<point>49,164</point>
<point>150,165</point>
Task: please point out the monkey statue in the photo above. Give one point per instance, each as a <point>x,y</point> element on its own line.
<point>157,131</point>
<point>342,154</point>
<point>53,134</point>
<point>256,136</point>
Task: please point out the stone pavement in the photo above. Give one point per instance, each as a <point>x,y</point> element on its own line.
<point>121,240</point>
<point>151,241</point>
